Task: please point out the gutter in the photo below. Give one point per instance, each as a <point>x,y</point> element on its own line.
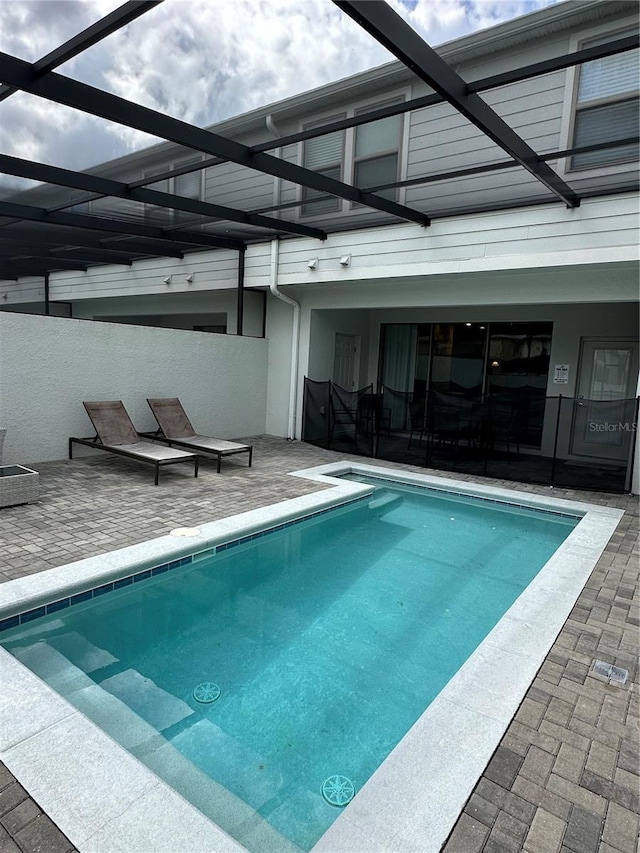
<point>295,337</point>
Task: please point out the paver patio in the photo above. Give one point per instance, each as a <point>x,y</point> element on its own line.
<point>565,776</point>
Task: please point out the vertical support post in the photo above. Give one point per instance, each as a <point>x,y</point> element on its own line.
<point>555,443</point>
<point>305,398</point>
<point>47,304</point>
<point>240,308</point>
<point>628,480</point>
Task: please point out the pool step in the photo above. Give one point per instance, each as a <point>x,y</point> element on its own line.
<point>107,710</point>
<point>385,503</point>
<point>220,805</point>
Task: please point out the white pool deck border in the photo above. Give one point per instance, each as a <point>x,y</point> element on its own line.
<point>105,800</point>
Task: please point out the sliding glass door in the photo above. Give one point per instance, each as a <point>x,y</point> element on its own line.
<point>509,361</point>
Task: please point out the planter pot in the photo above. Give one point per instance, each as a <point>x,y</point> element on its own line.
<point>18,485</point>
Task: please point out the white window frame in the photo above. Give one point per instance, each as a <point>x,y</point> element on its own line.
<point>564,167</point>
<point>172,215</point>
<point>399,150</point>
<point>327,119</point>
<point>348,157</point>
<point>177,213</point>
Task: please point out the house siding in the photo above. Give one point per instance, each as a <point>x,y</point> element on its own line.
<point>599,231</point>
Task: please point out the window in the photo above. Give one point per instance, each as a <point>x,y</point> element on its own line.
<point>324,154</point>
<point>376,153</point>
<point>187,186</point>
<point>154,215</point>
<point>606,107</point>
<point>81,207</point>
<point>367,155</point>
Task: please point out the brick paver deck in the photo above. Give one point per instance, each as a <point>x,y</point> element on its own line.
<point>565,777</point>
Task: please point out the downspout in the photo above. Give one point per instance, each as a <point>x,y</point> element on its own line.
<point>295,337</point>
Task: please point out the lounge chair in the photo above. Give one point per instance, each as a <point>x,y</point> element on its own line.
<point>116,433</point>
<point>175,428</point>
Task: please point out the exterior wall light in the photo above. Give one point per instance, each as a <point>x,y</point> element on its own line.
<point>167,279</point>
<point>345,261</point>
<point>189,278</point>
<point>313,264</point>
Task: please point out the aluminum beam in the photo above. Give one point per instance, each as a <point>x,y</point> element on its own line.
<point>87,38</point>
<point>98,223</point>
<point>117,189</point>
<point>391,31</point>
<point>27,251</point>
<point>19,265</point>
<point>546,66</point>
<point>524,73</point>
<point>65,238</point>
<point>505,164</point>
<point>72,93</point>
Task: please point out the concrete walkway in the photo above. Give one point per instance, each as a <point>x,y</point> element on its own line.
<point>566,774</point>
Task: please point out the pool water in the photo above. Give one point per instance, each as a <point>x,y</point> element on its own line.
<point>326,641</point>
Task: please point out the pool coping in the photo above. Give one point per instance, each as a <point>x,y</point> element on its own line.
<point>104,799</point>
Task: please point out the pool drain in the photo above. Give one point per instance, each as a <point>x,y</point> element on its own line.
<point>338,790</point>
<point>206,692</point>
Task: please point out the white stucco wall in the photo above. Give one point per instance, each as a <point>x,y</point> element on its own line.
<point>49,365</point>
<point>324,327</point>
<point>279,331</point>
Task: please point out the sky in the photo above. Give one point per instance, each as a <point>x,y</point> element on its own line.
<point>200,61</point>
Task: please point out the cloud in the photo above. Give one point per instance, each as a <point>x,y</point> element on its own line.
<point>201,61</point>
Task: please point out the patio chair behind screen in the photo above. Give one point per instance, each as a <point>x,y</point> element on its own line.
<point>175,428</point>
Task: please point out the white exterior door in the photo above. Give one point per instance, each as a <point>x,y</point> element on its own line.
<point>346,360</point>
<point>603,415</point>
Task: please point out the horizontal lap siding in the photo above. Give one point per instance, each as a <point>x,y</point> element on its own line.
<point>26,291</point>
<point>607,182</point>
<point>543,230</point>
<point>238,187</point>
<point>441,140</point>
<point>216,269</point>
<point>466,190</point>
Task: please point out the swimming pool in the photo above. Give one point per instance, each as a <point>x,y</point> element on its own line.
<point>338,645</point>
